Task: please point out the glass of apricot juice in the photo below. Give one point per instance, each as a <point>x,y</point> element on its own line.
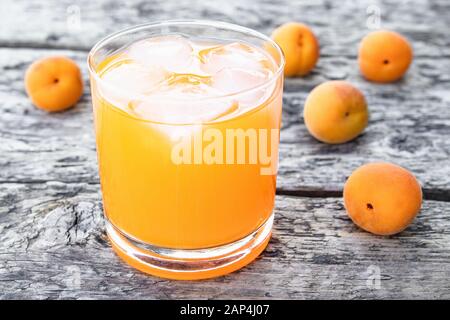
<point>187,117</point>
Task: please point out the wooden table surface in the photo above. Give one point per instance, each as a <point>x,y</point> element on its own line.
<point>52,239</point>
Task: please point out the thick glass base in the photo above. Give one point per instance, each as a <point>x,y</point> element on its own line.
<point>182,264</point>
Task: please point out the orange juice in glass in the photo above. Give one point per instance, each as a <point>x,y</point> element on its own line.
<point>187,117</point>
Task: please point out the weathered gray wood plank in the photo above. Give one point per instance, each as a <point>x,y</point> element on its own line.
<point>52,245</point>
<point>339,24</point>
<point>409,125</point>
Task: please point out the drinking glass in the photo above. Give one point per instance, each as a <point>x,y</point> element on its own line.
<point>198,214</point>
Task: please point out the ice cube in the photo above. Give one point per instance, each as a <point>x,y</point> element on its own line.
<point>233,55</point>
<point>172,52</point>
<point>125,80</point>
<point>236,80</point>
<point>233,80</point>
<point>133,78</point>
<point>182,108</point>
<point>189,84</point>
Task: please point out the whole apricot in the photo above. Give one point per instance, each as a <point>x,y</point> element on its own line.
<point>54,83</point>
<point>382,198</point>
<point>300,48</point>
<point>384,56</point>
<point>335,112</point>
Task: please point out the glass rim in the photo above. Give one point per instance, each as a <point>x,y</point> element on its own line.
<point>193,22</point>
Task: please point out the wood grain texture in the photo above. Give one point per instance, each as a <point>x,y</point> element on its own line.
<point>338,24</point>
<point>52,241</point>
<point>52,245</point>
<point>409,125</point>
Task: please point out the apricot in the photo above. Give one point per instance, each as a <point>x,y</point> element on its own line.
<point>300,48</point>
<point>54,83</point>
<point>335,112</point>
<point>382,198</point>
<point>384,56</point>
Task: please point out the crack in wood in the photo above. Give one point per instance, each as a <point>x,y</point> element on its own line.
<point>42,46</point>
